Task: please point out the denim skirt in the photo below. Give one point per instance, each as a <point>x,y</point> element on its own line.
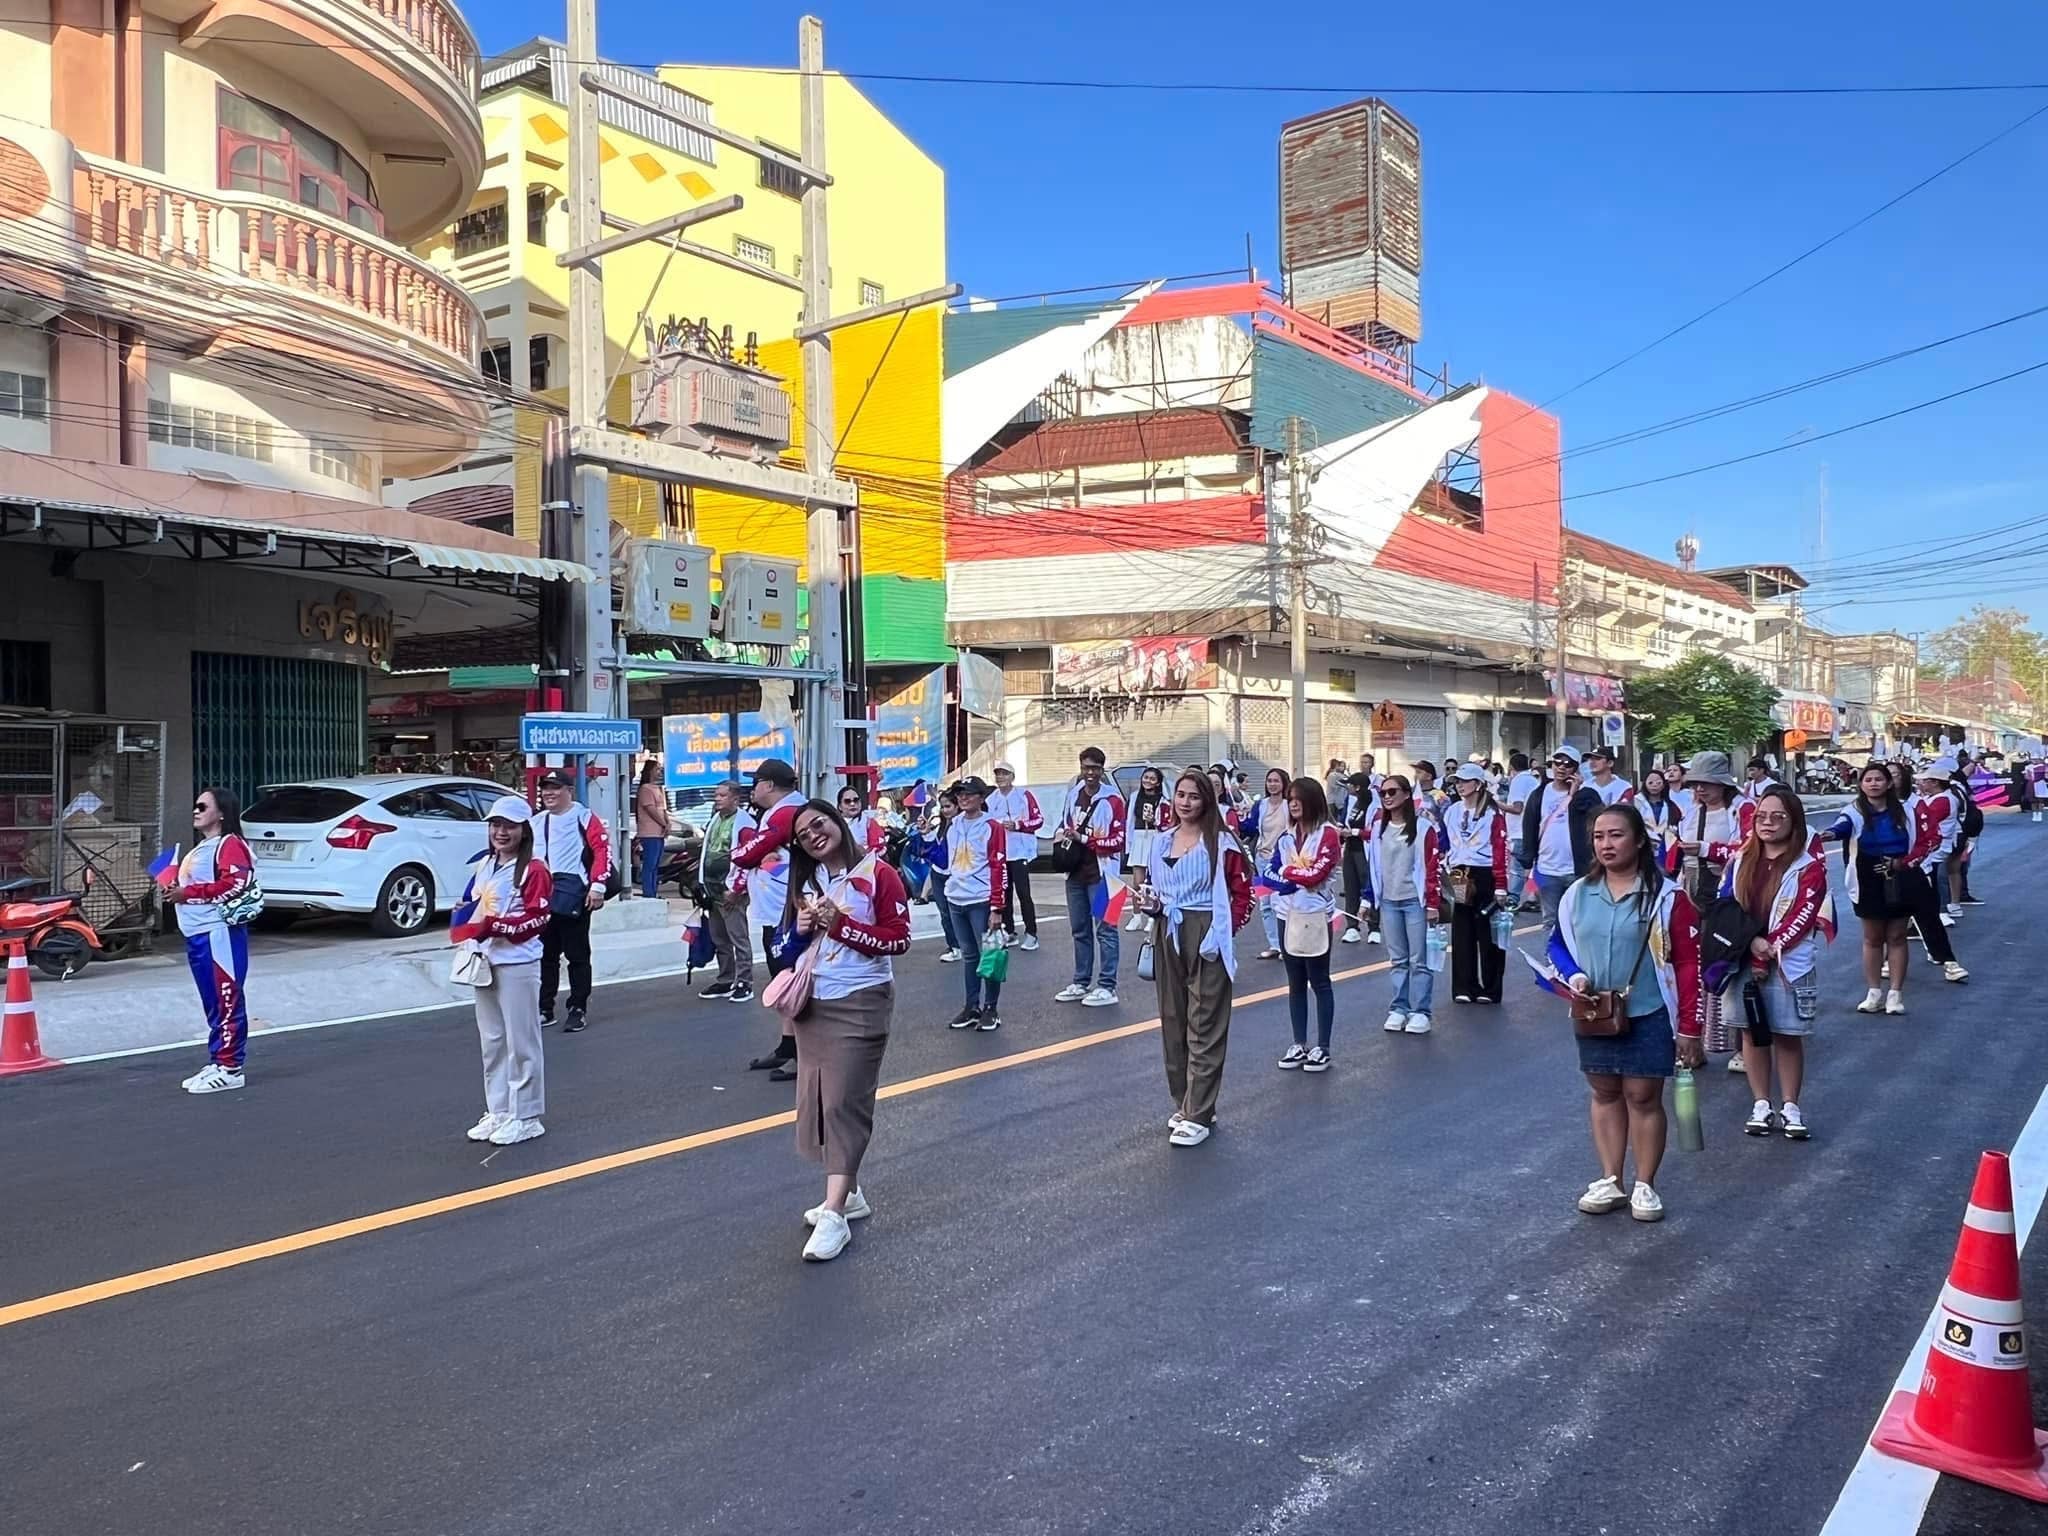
<point>1647,1049</point>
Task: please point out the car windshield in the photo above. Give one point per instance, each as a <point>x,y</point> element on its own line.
<point>300,804</point>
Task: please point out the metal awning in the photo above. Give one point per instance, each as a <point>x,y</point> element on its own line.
<point>443,557</point>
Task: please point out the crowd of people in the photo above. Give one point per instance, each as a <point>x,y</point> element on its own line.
<point>1684,916</point>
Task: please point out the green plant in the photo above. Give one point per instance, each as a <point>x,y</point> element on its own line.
<point>1702,702</point>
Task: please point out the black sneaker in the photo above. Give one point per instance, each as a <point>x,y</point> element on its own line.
<point>716,989</point>
<point>966,1018</point>
<point>989,1020</point>
<point>785,1073</point>
<point>774,1058</point>
<point>574,1022</point>
<point>741,993</point>
<point>547,1014</point>
<point>1972,901</point>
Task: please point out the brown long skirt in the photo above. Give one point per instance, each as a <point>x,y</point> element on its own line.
<point>839,1047</point>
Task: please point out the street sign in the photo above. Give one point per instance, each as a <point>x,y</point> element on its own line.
<point>579,735</point>
<point>1612,729</point>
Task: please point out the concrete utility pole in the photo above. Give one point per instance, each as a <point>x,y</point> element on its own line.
<point>830,743</point>
<point>595,683</point>
<point>1563,602</point>
<point>1297,584</point>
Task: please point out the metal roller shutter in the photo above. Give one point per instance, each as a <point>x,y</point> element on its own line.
<point>1425,741</point>
<point>275,719</point>
<point>1160,728</point>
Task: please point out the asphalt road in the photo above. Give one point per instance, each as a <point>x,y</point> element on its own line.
<point>1367,1304</point>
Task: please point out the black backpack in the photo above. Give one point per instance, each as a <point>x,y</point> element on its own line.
<point>1726,932</point>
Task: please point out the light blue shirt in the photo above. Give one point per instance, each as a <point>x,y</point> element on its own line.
<point>1607,938</point>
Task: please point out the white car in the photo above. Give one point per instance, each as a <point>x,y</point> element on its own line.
<point>393,846</point>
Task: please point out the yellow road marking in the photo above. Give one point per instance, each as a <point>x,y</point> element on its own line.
<point>462,1200</point>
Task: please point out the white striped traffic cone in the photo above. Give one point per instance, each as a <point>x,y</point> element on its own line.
<point>21,1046</point>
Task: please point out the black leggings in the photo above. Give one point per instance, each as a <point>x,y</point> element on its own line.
<point>1306,973</point>
<point>1017,893</point>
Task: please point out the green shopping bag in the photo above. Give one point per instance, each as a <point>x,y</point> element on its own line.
<point>994,964</point>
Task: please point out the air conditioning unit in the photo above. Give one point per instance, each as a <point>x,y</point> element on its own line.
<point>760,600</point>
<point>699,400</point>
<point>668,589</point>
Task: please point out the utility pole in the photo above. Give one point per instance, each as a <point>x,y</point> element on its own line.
<point>1297,579</point>
<point>1563,603</point>
<point>589,654</point>
<point>829,744</point>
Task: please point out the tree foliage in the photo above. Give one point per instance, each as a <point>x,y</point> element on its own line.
<point>1702,702</point>
<point>1975,644</point>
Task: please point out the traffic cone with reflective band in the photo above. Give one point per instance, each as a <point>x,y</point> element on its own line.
<point>21,1046</point>
<point>1973,1414</point>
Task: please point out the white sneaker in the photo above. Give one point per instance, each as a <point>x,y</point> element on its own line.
<point>1174,1119</point>
<point>213,1078</point>
<point>1396,1022</point>
<point>949,957</point>
<point>1955,909</point>
<point>1644,1204</point>
<point>1794,1123</point>
<point>1895,1001</point>
<point>1373,937</point>
<point>1884,971</point>
<point>1418,1024</point>
<point>1351,936</point>
<point>1952,970</point>
<point>828,1237</point>
<point>1318,1060</point>
<point>1947,921</point>
<point>1873,1001</point>
<point>1189,1133</point>
<point>1601,1196</point>
<point>1072,992</point>
<point>481,1131</point>
<point>1028,943</point>
<point>1296,1055</point>
<point>1100,997</point>
<point>516,1130</point>
<point>856,1207</point>
<point>1759,1121</point>
<point>1735,1062</point>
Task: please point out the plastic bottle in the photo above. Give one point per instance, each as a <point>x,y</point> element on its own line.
<point>1692,1137</point>
<point>1436,946</point>
<point>1503,928</point>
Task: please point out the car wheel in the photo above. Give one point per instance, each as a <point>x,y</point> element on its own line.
<point>404,903</point>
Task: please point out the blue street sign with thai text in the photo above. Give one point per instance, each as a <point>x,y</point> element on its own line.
<point>579,735</point>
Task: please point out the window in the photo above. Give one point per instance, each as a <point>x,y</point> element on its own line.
<point>538,350</point>
<point>338,461</point>
<point>25,674</point>
<point>272,153</point>
<point>753,250</point>
<point>483,230</point>
<point>870,294</point>
<point>497,362</point>
<point>438,802</point>
<point>780,178</point>
<point>185,426</point>
<point>26,395</point>
<point>536,215</point>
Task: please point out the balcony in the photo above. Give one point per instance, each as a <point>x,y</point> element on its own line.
<point>302,291</point>
<point>405,71</point>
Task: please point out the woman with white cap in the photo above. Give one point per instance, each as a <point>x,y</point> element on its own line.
<point>502,913</point>
<point>1476,843</point>
<point>1707,839</point>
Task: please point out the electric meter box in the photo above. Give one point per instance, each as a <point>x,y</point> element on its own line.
<point>668,589</point>
<point>760,600</point>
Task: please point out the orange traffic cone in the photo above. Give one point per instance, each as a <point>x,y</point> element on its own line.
<point>1972,1415</point>
<point>21,1046</point>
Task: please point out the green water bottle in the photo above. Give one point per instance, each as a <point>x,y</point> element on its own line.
<point>1691,1135</point>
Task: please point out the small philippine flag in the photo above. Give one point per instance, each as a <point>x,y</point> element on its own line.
<point>164,868</point>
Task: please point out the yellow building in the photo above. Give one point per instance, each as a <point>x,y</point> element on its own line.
<point>887,210</point>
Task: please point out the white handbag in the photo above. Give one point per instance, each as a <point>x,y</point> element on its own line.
<point>472,967</point>
<point>1305,935</point>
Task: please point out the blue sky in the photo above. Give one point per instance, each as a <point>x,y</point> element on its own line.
<point>1559,234</point>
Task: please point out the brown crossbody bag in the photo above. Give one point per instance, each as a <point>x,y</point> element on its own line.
<point>1606,1013</point>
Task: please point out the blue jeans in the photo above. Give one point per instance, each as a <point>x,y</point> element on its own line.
<point>970,923</point>
<point>1270,921</point>
<point>1550,891</point>
<point>1088,934</point>
<point>1306,974</point>
<point>1943,897</point>
<point>945,908</point>
<point>651,850</point>
<point>1406,928</point>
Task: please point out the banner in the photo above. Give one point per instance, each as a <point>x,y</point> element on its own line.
<point>907,740</point>
<point>1587,694</point>
<point>1807,712</point>
<point>1151,664</point>
<point>981,686</point>
<point>697,750</point>
<point>760,741</point>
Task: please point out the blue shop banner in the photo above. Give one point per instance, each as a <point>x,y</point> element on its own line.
<point>696,750</point>
<point>907,741</point>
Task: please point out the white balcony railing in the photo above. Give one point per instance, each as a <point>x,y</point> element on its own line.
<point>304,254</point>
<point>436,27</point>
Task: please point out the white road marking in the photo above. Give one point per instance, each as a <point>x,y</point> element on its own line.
<point>1887,1497</point>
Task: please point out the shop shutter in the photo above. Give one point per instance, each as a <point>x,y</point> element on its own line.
<point>1337,730</point>
<point>1425,741</point>
<point>1262,735</point>
<point>1158,728</point>
<point>275,719</point>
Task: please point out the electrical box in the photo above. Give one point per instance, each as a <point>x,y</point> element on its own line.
<point>760,600</point>
<point>668,589</point>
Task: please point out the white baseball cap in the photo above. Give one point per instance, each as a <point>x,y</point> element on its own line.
<point>1567,750</point>
<point>510,808</point>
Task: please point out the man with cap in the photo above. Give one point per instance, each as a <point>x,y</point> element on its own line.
<point>570,839</point>
<point>1557,830</point>
<point>1608,785</point>
<point>1016,809</point>
<point>976,865</point>
<point>1756,779</point>
<point>761,861</point>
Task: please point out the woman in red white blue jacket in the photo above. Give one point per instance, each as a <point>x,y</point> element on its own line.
<point>1405,855</point>
<point>206,882</point>
<point>1303,878</point>
<point>504,912</point>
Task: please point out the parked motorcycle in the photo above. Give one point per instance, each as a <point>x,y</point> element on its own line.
<point>60,942</point>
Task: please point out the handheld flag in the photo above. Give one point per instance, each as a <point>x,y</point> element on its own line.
<point>1110,898</point>
<point>1546,975</point>
<point>462,921</point>
<point>918,797</point>
<point>164,868</point>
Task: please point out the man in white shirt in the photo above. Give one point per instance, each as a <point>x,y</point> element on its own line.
<point>725,910</point>
<point>1610,787</point>
<point>1018,811</point>
<point>1557,822</point>
<point>1525,782</point>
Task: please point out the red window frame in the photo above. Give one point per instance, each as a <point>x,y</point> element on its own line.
<point>229,140</point>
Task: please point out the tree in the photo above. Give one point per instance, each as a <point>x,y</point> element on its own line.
<point>1975,644</point>
<point>1702,702</point>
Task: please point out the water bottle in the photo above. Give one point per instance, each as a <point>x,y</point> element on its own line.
<point>1436,946</point>
<point>1691,1136</point>
<point>1503,927</point>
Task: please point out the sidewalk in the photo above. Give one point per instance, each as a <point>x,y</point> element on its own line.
<point>324,973</point>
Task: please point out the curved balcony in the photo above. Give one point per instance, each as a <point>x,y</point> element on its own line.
<point>405,71</point>
<point>300,290</point>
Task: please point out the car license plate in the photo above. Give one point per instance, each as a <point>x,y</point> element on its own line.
<point>270,850</point>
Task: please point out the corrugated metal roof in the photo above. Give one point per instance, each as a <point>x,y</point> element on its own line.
<point>467,503</point>
<point>974,336</point>
<point>904,620</point>
<point>543,65</point>
<point>1617,557</point>
<point>1139,437</point>
<point>1332,400</point>
<point>443,557</point>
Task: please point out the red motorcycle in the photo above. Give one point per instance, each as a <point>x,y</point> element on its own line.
<point>60,941</point>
